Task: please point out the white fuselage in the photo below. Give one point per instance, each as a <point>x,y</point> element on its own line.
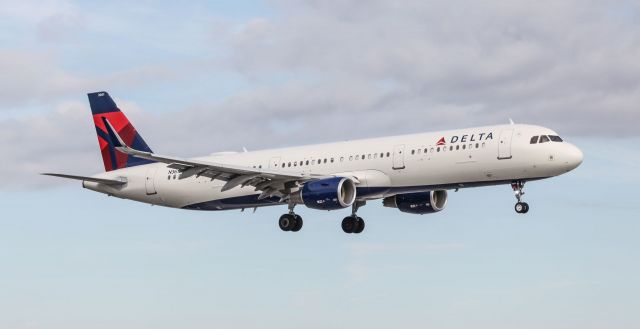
<point>383,167</point>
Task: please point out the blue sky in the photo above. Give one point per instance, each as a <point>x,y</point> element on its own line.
<point>217,76</point>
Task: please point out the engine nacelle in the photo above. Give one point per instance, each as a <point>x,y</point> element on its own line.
<point>418,203</point>
<point>327,194</point>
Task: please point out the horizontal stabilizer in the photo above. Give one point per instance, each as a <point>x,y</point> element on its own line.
<point>113,182</point>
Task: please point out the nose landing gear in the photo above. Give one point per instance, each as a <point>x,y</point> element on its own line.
<point>520,207</point>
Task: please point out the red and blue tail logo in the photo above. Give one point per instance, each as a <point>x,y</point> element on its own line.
<point>103,107</point>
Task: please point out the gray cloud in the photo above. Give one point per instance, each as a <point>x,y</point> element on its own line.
<point>562,64</point>
<point>325,71</point>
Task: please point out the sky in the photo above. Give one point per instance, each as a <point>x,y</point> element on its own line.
<point>211,76</point>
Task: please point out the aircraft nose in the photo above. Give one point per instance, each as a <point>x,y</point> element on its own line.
<point>573,157</point>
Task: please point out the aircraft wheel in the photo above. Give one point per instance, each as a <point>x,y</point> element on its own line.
<point>298,223</point>
<point>287,222</point>
<point>359,227</point>
<point>348,224</point>
<point>521,207</point>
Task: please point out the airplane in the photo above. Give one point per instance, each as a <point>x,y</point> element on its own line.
<point>411,172</point>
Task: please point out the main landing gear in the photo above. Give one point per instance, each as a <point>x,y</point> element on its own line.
<point>291,221</point>
<point>520,207</point>
<point>353,223</point>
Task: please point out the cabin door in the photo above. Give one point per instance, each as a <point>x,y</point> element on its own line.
<point>504,148</point>
<point>149,183</point>
<point>398,157</point>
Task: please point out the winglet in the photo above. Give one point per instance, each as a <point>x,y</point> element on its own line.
<point>115,138</point>
<point>511,121</point>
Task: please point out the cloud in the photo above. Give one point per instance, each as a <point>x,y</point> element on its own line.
<point>35,78</point>
<point>36,144</point>
<point>60,26</point>
<point>30,76</point>
<point>319,71</point>
<point>559,64</point>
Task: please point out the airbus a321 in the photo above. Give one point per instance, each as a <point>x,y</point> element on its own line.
<point>411,173</point>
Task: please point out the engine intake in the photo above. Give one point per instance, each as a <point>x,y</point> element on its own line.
<point>327,194</point>
<point>418,203</point>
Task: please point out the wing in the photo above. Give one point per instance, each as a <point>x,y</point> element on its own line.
<point>270,182</point>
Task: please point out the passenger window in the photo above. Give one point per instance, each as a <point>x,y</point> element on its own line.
<point>369,156</point>
<point>307,163</point>
<point>388,154</point>
<point>375,155</point>
<point>351,158</point>
<point>544,139</point>
<point>425,150</point>
<point>331,160</point>
<point>464,146</point>
<point>451,148</point>
<point>341,159</point>
<point>325,160</point>
<point>432,149</point>
<point>477,145</point>
<point>438,148</point>
<point>534,140</point>
<point>457,147</point>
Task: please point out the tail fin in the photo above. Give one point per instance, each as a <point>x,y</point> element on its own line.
<point>103,107</point>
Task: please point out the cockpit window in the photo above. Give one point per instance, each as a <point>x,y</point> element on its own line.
<point>534,139</point>
<point>555,138</point>
<point>544,139</point>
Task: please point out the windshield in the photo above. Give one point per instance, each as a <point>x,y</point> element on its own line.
<point>555,138</point>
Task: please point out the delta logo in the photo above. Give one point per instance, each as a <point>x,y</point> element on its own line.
<point>466,138</point>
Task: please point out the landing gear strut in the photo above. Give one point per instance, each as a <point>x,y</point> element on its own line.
<point>290,222</point>
<point>353,223</point>
<point>520,207</point>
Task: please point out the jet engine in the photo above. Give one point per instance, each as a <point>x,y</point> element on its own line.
<point>418,203</point>
<point>327,194</point>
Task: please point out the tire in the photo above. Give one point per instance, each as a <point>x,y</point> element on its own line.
<point>348,224</point>
<point>298,223</point>
<point>526,208</point>
<point>286,222</point>
<point>520,207</point>
<point>359,226</point>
